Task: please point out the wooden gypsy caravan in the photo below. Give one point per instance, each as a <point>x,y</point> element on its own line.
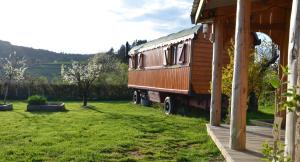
<point>174,68</point>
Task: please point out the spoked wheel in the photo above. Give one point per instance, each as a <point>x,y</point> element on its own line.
<point>136,97</point>
<point>169,106</point>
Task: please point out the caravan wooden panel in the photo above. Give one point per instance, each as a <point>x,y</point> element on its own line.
<point>167,79</point>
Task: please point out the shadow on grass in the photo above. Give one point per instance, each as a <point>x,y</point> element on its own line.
<point>259,116</point>
<point>100,101</point>
<point>186,111</point>
<point>115,101</point>
<point>22,114</point>
<point>192,112</point>
<point>149,125</point>
<point>91,107</point>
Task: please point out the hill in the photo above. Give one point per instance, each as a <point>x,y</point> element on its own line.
<point>41,63</point>
<point>39,56</point>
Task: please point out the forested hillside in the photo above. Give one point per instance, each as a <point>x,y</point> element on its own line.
<point>38,56</point>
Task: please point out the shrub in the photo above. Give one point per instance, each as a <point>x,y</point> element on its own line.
<point>37,100</point>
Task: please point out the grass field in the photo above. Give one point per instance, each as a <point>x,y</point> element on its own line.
<point>108,131</point>
<point>264,112</point>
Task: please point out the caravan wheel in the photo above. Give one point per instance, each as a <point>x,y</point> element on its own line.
<point>169,106</point>
<point>136,97</point>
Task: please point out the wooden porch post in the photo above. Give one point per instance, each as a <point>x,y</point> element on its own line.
<point>216,91</point>
<point>240,76</point>
<point>293,77</point>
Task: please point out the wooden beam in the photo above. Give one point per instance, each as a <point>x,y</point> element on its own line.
<point>240,76</point>
<point>257,7</point>
<point>216,91</point>
<point>199,11</point>
<point>262,26</point>
<point>294,76</point>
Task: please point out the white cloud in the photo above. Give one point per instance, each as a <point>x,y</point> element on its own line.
<point>80,26</point>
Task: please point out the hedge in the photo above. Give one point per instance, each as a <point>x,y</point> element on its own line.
<point>66,92</point>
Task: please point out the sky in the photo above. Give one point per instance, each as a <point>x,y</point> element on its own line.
<point>89,26</point>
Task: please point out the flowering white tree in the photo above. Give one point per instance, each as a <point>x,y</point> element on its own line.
<point>14,69</point>
<point>83,75</point>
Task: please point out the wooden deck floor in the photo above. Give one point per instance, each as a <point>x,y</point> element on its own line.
<point>256,136</point>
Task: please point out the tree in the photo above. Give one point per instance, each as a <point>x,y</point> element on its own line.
<point>127,49</point>
<point>227,72</point>
<point>117,77</point>
<point>262,67</point>
<point>261,70</point>
<point>14,69</point>
<point>107,61</point>
<point>122,54</point>
<point>83,75</point>
<point>111,51</point>
<point>138,42</point>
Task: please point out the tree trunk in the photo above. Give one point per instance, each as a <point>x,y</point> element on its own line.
<point>29,91</point>
<point>85,98</point>
<point>253,102</point>
<point>293,77</point>
<point>6,93</point>
<point>17,91</point>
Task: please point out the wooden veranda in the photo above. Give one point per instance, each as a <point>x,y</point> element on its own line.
<point>237,19</point>
<point>255,137</point>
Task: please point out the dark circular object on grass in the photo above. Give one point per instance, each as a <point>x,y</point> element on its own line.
<point>136,97</point>
<point>6,107</point>
<point>169,106</point>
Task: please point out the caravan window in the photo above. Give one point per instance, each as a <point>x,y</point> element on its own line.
<point>181,53</point>
<point>167,60</point>
<point>174,54</point>
<point>132,62</point>
<point>140,61</point>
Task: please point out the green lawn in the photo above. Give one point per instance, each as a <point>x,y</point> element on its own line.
<point>108,131</point>
<point>264,112</point>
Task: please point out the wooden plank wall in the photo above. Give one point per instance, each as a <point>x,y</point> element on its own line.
<point>167,79</point>
<point>201,65</point>
<point>201,68</point>
<point>153,58</point>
